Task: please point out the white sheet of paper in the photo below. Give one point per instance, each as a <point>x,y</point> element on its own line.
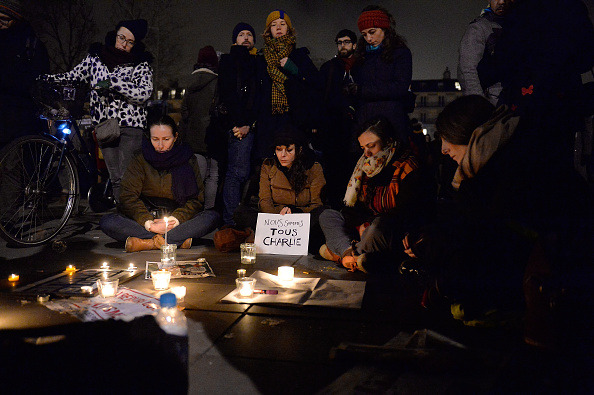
<point>282,234</point>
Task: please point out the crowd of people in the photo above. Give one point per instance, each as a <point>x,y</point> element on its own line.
<point>266,131</point>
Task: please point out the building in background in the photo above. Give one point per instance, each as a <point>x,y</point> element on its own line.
<point>432,97</point>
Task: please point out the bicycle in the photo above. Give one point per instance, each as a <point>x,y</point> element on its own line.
<point>40,183</point>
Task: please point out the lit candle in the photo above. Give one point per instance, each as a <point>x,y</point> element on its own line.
<point>104,266</point>
<point>161,279</point>
<point>13,277</point>
<point>246,286</point>
<point>245,290</point>
<point>240,273</point>
<point>286,273</point>
<point>70,269</point>
<point>180,292</point>
<point>107,290</point>
<point>166,224</point>
<point>131,267</point>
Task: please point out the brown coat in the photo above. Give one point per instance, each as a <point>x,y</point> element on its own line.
<point>141,178</point>
<point>276,192</point>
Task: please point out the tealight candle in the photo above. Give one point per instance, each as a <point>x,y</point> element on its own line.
<point>240,273</point>
<point>161,279</point>
<point>246,286</point>
<point>13,277</point>
<point>70,269</point>
<point>86,289</point>
<point>131,267</point>
<point>248,253</point>
<point>104,266</point>
<point>286,273</point>
<point>108,288</point>
<point>180,292</point>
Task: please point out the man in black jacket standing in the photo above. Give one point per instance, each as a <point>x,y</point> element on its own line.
<point>338,119</point>
<point>237,97</point>
<point>22,58</point>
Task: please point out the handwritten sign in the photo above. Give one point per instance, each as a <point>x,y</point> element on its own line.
<point>282,234</point>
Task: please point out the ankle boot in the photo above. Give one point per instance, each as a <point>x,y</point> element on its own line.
<point>134,244</point>
<point>186,244</point>
<point>158,240</point>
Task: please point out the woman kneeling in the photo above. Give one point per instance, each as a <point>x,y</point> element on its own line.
<point>162,181</point>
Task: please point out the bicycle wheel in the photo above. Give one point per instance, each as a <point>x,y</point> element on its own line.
<point>38,191</point>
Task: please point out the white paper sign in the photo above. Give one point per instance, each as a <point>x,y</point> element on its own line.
<point>282,234</point>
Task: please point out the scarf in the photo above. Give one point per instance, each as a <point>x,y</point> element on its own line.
<point>348,63</point>
<point>274,50</point>
<point>370,48</point>
<point>176,161</point>
<point>484,142</point>
<point>371,167</point>
<point>112,57</point>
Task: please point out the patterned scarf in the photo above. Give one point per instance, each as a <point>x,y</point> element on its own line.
<point>371,167</point>
<point>274,50</point>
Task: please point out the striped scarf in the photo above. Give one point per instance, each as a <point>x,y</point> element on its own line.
<point>274,50</point>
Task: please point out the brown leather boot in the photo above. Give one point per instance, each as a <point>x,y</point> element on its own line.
<point>186,244</point>
<point>134,244</point>
<point>158,240</point>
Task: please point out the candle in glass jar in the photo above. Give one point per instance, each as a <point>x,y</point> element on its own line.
<point>180,292</point>
<point>108,290</point>
<point>161,279</point>
<point>246,286</point>
<point>286,273</point>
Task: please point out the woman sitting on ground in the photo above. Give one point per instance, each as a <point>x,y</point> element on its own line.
<point>386,187</point>
<point>161,181</point>
<point>290,182</point>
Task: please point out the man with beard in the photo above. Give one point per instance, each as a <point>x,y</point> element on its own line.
<point>237,97</point>
<point>338,121</point>
<point>22,58</point>
<point>476,63</point>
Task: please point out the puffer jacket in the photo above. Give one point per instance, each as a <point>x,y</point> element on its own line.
<point>276,192</point>
<point>131,85</point>
<point>141,179</point>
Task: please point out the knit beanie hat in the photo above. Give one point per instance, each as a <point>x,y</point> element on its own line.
<point>241,26</point>
<point>347,33</point>
<point>278,14</point>
<point>373,18</point>
<point>138,27</point>
<point>287,135</point>
<point>12,8</point>
<point>207,58</point>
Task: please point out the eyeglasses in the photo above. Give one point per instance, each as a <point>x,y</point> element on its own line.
<point>343,42</point>
<point>122,39</point>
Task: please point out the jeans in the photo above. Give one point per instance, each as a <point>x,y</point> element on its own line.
<point>120,228</point>
<point>118,154</point>
<point>238,172</point>
<point>339,236</point>
<point>209,171</point>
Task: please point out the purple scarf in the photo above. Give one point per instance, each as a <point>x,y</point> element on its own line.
<point>176,161</point>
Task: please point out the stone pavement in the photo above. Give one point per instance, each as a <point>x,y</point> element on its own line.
<point>242,348</point>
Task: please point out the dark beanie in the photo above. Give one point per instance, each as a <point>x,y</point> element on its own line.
<point>347,33</point>
<point>138,27</point>
<point>12,8</point>
<point>241,26</point>
<point>207,58</point>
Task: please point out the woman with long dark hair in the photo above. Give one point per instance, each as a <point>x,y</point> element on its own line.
<point>161,181</point>
<point>385,73</point>
<point>386,185</point>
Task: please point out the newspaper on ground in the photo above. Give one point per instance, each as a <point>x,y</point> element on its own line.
<point>182,269</point>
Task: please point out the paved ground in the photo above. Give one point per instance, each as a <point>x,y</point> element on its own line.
<point>242,348</point>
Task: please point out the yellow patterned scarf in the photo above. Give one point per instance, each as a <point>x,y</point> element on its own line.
<point>274,50</point>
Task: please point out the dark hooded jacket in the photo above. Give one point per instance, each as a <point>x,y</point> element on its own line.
<point>195,109</point>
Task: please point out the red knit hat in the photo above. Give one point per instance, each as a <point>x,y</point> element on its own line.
<point>373,18</point>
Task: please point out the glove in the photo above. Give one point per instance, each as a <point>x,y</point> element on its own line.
<point>351,89</point>
<point>105,84</point>
<point>290,67</point>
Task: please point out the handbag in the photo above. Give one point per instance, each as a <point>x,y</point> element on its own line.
<point>107,131</point>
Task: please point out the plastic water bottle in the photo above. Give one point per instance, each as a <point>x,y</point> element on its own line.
<point>174,323</point>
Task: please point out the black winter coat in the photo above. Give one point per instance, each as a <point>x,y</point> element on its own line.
<point>195,109</point>
<point>384,89</point>
<point>303,96</point>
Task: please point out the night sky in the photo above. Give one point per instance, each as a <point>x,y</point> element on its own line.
<point>433,28</point>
